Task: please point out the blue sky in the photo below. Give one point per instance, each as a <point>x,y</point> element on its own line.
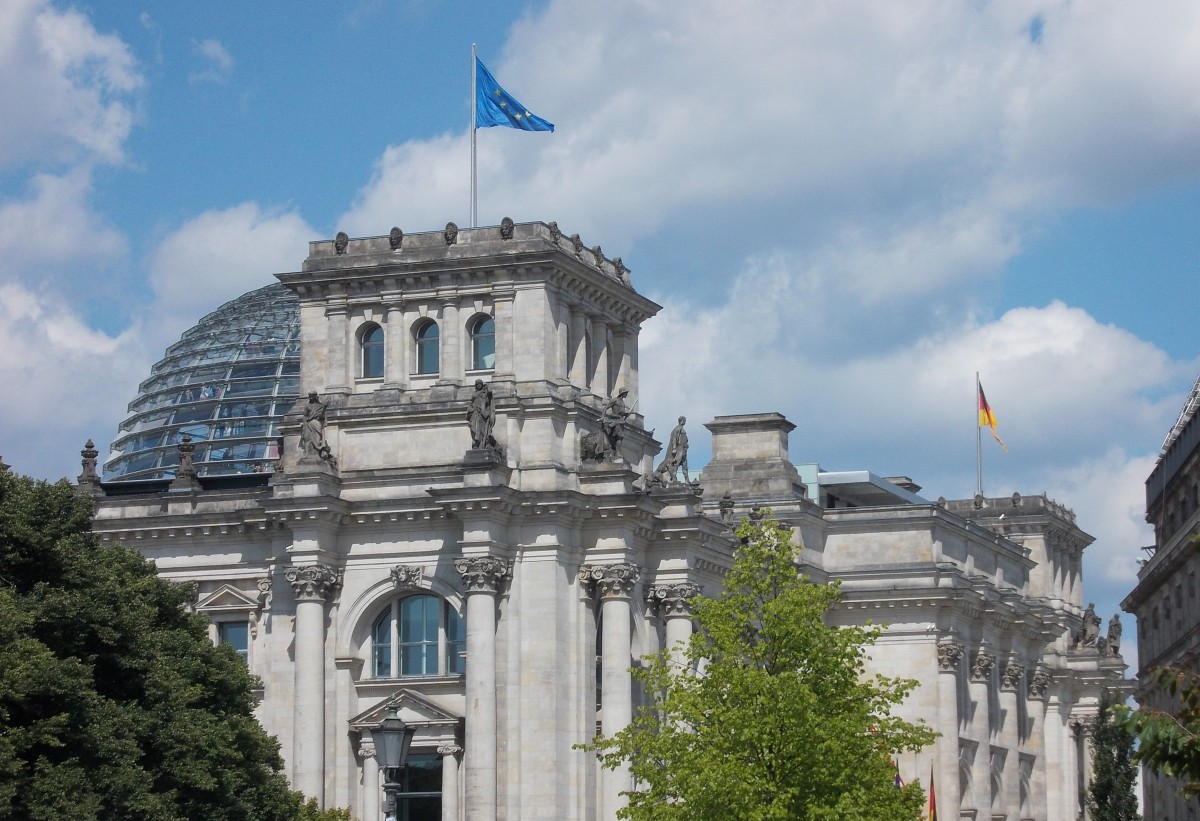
<point>845,208</point>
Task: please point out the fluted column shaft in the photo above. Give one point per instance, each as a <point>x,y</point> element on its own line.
<point>482,576</point>
<point>614,583</point>
<point>311,586</point>
<point>946,782</point>
<point>981,768</point>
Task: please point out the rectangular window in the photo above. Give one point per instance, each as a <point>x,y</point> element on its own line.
<point>237,635</point>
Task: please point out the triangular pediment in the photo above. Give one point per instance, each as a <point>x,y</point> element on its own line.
<point>412,708</point>
<point>227,598</point>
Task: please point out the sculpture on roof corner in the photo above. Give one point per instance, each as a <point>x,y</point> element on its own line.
<point>1111,644</point>
<point>604,445</point>
<point>674,460</point>
<point>312,432</point>
<point>89,480</point>
<point>481,417</point>
<point>1089,630</point>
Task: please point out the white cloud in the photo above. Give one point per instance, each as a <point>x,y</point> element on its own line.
<point>218,62</point>
<point>67,91</point>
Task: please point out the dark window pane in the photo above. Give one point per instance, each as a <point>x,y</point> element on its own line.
<point>237,635</point>
<point>483,344</point>
<point>372,353</point>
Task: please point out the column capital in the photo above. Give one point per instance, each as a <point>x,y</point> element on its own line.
<point>1010,677</point>
<point>612,581</point>
<point>483,574</point>
<point>1082,726</point>
<point>366,748</point>
<point>1038,683</point>
<point>450,749</point>
<point>949,654</point>
<point>672,600</point>
<point>981,667</point>
<point>313,582</point>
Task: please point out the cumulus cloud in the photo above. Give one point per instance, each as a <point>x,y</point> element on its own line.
<point>218,62</point>
<point>68,92</point>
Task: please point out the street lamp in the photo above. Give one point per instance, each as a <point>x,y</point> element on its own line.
<point>392,738</point>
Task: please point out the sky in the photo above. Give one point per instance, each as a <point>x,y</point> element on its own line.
<point>846,209</point>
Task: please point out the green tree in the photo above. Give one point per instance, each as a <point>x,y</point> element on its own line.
<point>1111,795</point>
<point>1169,742</point>
<point>114,704</point>
<point>782,722</point>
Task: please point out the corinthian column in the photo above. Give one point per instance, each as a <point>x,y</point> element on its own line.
<point>947,787</point>
<point>980,730</point>
<point>676,611</point>
<point>614,583</point>
<point>1010,683</point>
<point>311,586</point>
<point>481,577</point>
<point>1036,706</point>
<point>370,779</point>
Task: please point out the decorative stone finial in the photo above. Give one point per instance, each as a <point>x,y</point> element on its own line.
<point>577,244</point>
<point>451,233</point>
<point>340,242</point>
<point>725,506</point>
<point>88,480</point>
<point>185,473</point>
<point>395,238</point>
<point>506,228</point>
<point>555,233</point>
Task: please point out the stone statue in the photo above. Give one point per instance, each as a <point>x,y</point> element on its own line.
<point>481,416</point>
<point>677,451</point>
<point>612,421</point>
<point>312,432</point>
<point>1114,635</point>
<point>340,242</point>
<point>1089,631</point>
<point>395,238</point>
<point>506,228</point>
<point>451,233</point>
<point>726,508</point>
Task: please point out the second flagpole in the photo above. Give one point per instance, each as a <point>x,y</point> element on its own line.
<point>474,177</point>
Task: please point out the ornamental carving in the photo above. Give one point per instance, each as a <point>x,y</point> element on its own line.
<point>555,232</point>
<point>451,233</point>
<point>981,667</point>
<point>1011,677</point>
<point>1082,727</point>
<point>483,574</point>
<point>672,600</point>
<point>89,478</point>
<point>313,582</point>
<point>396,238</point>
<point>576,244</point>
<point>1038,683</point>
<point>950,653</point>
<point>340,242</point>
<point>612,581</point>
<point>366,747</point>
<point>407,575</point>
<point>450,749</point>
<point>506,228</point>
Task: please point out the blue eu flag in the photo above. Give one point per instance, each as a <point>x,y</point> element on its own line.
<point>495,106</point>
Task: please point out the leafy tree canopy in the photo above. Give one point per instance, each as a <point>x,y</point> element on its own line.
<point>1112,794</point>
<point>114,703</point>
<point>782,722</point>
<point>1169,741</point>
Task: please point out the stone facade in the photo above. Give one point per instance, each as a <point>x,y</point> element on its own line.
<point>1165,600</point>
<point>497,597</point>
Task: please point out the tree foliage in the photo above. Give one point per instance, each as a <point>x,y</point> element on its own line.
<point>114,703</point>
<point>782,722</point>
<point>1111,795</point>
<point>1169,742</point>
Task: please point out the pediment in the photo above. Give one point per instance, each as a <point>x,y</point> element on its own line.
<point>412,708</point>
<point>228,599</point>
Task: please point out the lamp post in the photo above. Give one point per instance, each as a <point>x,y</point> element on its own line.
<point>392,739</point>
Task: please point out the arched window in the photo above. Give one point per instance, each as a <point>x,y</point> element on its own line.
<point>371,344</point>
<point>427,347</point>
<point>483,343</point>
<point>418,636</point>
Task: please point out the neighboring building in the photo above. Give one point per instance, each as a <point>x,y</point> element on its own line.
<point>1165,598</point>
<point>484,561</point>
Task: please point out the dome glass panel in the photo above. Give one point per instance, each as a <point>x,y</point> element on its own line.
<point>227,383</point>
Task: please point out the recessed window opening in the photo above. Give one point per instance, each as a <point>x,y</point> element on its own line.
<point>371,345</point>
<point>427,347</point>
<point>418,636</point>
<point>483,343</point>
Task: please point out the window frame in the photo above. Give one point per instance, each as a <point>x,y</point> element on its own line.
<point>448,647</point>
<point>371,345</point>
<point>424,344</point>
<point>475,337</point>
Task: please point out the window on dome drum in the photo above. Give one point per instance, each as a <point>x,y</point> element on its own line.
<point>483,343</point>
<point>427,347</point>
<point>237,635</point>
<point>418,636</point>
<point>371,343</point>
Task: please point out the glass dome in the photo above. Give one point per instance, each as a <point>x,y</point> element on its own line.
<point>227,383</point>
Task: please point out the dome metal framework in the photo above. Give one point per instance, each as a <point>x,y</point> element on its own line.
<point>226,383</point>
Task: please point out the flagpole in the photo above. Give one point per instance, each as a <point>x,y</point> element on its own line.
<point>978,441</point>
<point>474,174</point>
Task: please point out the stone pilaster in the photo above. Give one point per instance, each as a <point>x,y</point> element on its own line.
<point>311,586</point>
<point>395,351</point>
<point>482,576</point>
<point>1039,680</point>
<point>1011,677</point>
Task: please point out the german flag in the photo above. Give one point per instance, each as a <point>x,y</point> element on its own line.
<point>987,417</point>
